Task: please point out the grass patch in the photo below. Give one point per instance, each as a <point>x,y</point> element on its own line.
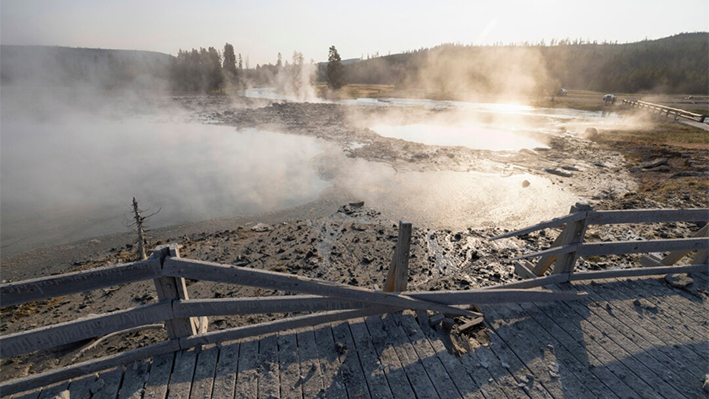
<point>662,133</point>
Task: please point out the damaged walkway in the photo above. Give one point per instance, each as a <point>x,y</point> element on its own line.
<point>630,338</point>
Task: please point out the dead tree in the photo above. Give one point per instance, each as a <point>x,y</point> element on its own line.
<point>140,227</point>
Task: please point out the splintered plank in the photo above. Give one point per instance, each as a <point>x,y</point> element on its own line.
<point>80,388</point>
<point>203,380</point>
<point>495,380</point>
<point>108,383</point>
<point>517,368</point>
<point>587,360</point>
<point>159,378</point>
<point>332,380</point>
<point>52,391</point>
<point>311,369</point>
<point>134,380</point>
<point>370,361</point>
<point>552,364</point>
<point>434,349</point>
<point>667,382</point>
<point>639,363</point>
<point>268,386</point>
<point>644,322</point>
<point>181,381</point>
<point>225,376</point>
<point>289,365</point>
<point>247,378</point>
<point>398,382</point>
<point>419,379</point>
<point>441,380</point>
<point>351,366</point>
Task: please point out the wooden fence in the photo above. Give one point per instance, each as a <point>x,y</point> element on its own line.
<point>570,245</point>
<point>667,111</point>
<point>186,319</point>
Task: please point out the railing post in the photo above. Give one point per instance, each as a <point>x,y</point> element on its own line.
<point>171,288</point>
<point>399,269</point>
<point>572,233</point>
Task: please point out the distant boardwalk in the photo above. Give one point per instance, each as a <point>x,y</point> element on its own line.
<point>636,338</point>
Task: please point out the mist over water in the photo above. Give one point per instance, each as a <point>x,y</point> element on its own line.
<point>73,178</point>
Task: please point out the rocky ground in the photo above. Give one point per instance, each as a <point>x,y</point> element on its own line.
<point>351,243</point>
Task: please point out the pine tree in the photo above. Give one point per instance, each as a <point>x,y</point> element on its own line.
<point>335,70</point>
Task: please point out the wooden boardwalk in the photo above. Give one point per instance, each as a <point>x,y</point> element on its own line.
<point>631,338</point>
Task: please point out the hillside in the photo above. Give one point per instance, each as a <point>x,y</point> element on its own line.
<point>67,66</point>
<point>676,64</point>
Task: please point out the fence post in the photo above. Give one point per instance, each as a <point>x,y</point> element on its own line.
<point>572,233</point>
<point>171,288</point>
<point>399,269</point>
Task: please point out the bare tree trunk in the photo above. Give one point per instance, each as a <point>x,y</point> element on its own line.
<point>139,225</point>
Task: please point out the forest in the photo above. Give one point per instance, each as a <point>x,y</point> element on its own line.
<point>676,64</point>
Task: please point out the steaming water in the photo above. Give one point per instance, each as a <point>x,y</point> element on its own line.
<point>470,136</point>
<point>74,178</point>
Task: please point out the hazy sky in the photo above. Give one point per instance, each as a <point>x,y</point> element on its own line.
<point>262,28</point>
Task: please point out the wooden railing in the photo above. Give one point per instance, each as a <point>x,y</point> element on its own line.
<point>660,109</point>
<point>186,319</point>
<point>570,245</point>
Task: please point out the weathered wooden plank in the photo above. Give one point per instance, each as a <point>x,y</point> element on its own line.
<point>376,380</point>
<point>54,390</point>
<point>394,371</point>
<point>108,383</point>
<point>278,281</point>
<point>205,370</point>
<point>533,283</point>
<point>312,365</point>
<point>568,235</point>
<point>20,292</point>
<point>497,296</point>
<point>247,377</point>
<point>637,346</point>
<point>671,344</point>
<point>519,369</point>
<point>598,351</point>
<point>419,379</point>
<point>328,367</point>
<point>268,386</point>
<point>285,304</point>
<point>565,263</point>
<point>159,378</point>
<point>289,366</point>
<point>623,247</point>
<point>302,303</point>
<point>463,380</point>
<point>673,257</point>
<point>182,374</point>
<point>599,380</point>
<point>275,326</point>
<point>653,271</point>
<point>134,380</point>
<point>350,368</point>
<point>170,288</point>
<point>33,394</point>
<point>633,247</point>
<point>547,253</point>
<point>519,333</point>
<point>494,380</point>
<point>571,217</point>
<point>80,388</point>
<point>624,351</point>
<point>227,367</point>
<point>84,368</point>
<point>648,216</point>
<point>462,384</point>
<point>524,269</point>
<point>78,330</point>
<point>401,265</point>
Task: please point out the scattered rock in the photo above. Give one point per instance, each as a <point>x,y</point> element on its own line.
<point>557,172</point>
<point>590,133</point>
<point>705,386</point>
<point>340,348</point>
<point>357,204</point>
<point>653,163</point>
<point>261,227</point>
<point>645,304</point>
<point>97,385</point>
<point>526,184</point>
<point>679,280</point>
